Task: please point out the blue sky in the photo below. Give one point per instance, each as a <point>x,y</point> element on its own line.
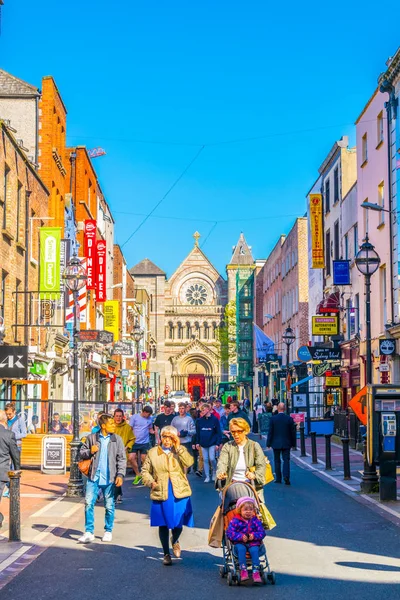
<point>151,82</point>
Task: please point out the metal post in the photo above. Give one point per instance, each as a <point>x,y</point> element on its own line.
<point>370,481</point>
<point>287,377</point>
<point>302,441</point>
<point>328,454</point>
<point>75,483</point>
<point>14,534</point>
<point>313,436</point>
<point>346,458</point>
<point>137,377</point>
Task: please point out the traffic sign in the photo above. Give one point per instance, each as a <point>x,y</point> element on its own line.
<point>359,405</point>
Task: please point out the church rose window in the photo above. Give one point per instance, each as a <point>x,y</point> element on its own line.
<point>196,294</point>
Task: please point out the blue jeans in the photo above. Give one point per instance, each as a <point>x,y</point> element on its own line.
<point>254,551</point>
<point>92,490</point>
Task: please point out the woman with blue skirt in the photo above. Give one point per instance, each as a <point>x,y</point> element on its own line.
<point>164,473</point>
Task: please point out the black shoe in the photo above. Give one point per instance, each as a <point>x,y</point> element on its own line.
<point>287,481</point>
<point>277,481</point>
<point>167,561</point>
<point>199,474</point>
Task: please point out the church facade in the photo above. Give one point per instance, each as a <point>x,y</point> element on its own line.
<point>187,311</point>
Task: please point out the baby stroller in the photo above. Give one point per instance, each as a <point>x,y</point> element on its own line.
<point>231,567</point>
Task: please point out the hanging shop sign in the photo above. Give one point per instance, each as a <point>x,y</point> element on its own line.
<point>299,400</point>
<point>13,362</point>
<point>50,240</point>
<point>325,326</point>
<point>332,381</point>
<point>341,272</point>
<point>325,354</point>
<point>124,372</point>
<point>122,348</point>
<point>321,369</point>
<point>100,271</point>
<point>303,354</point>
<point>317,232</point>
<point>90,252</point>
<point>111,317</point>
<point>94,335</point>
<point>387,347</point>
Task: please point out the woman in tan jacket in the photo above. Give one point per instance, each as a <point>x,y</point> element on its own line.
<point>164,473</point>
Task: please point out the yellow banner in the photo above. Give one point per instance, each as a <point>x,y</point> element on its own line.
<point>111,317</point>
<point>317,232</point>
<point>324,326</point>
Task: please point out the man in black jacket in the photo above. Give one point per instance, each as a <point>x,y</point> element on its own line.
<point>8,453</point>
<point>281,437</point>
<point>208,438</point>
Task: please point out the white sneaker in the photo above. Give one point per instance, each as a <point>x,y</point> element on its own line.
<point>86,538</point>
<point>207,480</point>
<point>107,537</point>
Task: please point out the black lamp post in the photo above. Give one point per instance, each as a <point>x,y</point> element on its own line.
<point>289,339</point>
<point>367,262</point>
<point>74,278</point>
<point>137,335</point>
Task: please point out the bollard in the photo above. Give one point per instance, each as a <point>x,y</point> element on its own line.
<point>346,458</point>
<point>328,454</point>
<point>302,441</point>
<point>14,534</point>
<point>294,447</point>
<point>313,436</point>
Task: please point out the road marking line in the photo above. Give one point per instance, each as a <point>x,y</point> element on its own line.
<point>40,536</point>
<point>72,510</point>
<point>48,496</point>
<point>47,507</point>
<point>14,556</point>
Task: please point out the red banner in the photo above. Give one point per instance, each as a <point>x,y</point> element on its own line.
<point>101,271</point>
<point>90,250</point>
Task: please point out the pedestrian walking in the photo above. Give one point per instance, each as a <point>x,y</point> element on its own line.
<point>281,438</point>
<point>226,436</point>
<point>9,453</point>
<point>124,430</point>
<point>208,438</point>
<point>164,473</point>
<point>218,407</point>
<point>107,470</point>
<point>142,426</point>
<point>242,460</point>
<point>264,419</point>
<point>185,426</point>
<point>246,532</point>
<point>238,413</point>
<point>164,418</point>
<point>15,423</point>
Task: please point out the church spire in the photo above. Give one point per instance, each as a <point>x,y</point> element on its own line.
<point>242,253</point>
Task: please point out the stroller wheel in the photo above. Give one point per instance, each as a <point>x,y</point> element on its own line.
<point>272,578</point>
<point>222,572</point>
<point>230,579</point>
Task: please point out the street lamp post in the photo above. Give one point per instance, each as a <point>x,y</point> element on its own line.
<point>74,278</point>
<point>367,262</point>
<point>289,339</point>
<point>137,335</point>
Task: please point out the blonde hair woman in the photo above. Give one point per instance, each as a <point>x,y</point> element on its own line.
<point>242,460</point>
<point>164,473</point>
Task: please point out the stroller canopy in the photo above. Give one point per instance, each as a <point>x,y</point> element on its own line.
<point>235,491</point>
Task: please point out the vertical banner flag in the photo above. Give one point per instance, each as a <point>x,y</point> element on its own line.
<point>100,271</point>
<point>111,317</point>
<point>90,252</point>
<point>50,241</point>
<point>317,232</point>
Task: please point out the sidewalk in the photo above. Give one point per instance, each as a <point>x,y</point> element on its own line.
<point>44,510</point>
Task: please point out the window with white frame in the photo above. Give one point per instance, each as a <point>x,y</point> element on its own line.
<point>383,289</point>
<point>364,149</point>
<point>379,128</point>
<point>381,202</point>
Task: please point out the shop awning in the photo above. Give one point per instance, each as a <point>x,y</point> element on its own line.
<point>330,304</point>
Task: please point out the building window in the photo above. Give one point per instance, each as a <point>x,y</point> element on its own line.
<point>355,239</point>
<point>327,196</point>
<point>170,331</point>
<point>19,204</point>
<point>351,318</point>
<point>188,330</point>
<point>328,252</point>
<point>3,293</point>
<point>336,241</point>
<point>346,247</point>
<point>379,124</point>
<point>382,273</point>
<point>357,312</point>
<point>180,331</point>
<point>206,331</point>
<point>381,202</point>
<point>17,292</point>
<point>336,185</point>
<point>6,191</point>
<point>364,149</point>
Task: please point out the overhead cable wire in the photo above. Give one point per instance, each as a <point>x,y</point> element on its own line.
<point>165,195</point>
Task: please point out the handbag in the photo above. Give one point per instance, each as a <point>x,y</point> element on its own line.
<point>216,530</point>
<point>269,476</point>
<point>267,519</point>
<point>84,466</point>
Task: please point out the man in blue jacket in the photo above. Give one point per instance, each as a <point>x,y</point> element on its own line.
<point>208,438</point>
<point>281,437</point>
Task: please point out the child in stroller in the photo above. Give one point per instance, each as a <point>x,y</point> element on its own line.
<point>246,532</point>
<point>235,567</point>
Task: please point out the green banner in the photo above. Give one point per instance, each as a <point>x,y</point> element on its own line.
<point>50,244</point>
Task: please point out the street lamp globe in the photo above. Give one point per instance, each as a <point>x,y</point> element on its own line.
<point>74,275</point>
<point>137,333</point>
<point>289,336</point>
<point>367,259</point>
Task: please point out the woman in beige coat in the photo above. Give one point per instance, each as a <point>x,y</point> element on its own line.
<point>164,473</point>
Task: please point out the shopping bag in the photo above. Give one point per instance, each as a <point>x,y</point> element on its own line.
<point>269,476</point>
<point>266,518</point>
<point>216,531</point>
